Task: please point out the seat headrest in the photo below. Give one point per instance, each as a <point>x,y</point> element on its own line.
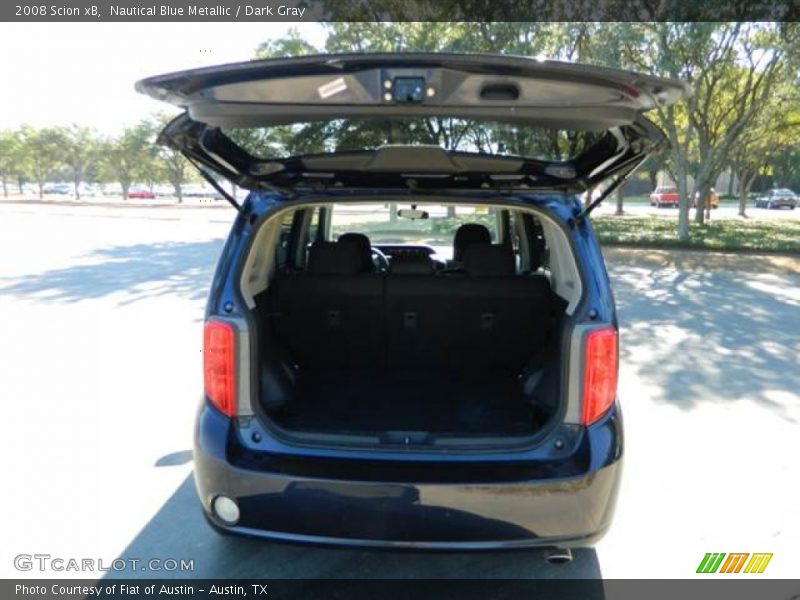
<point>418,265</point>
<point>333,258</point>
<point>468,234</point>
<point>364,249</point>
<point>489,260</point>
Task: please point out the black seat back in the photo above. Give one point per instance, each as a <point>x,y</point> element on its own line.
<point>363,248</point>
<point>330,316</point>
<point>466,235</point>
<point>487,318</point>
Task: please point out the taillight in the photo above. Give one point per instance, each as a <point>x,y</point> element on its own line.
<point>600,363</point>
<point>219,366</point>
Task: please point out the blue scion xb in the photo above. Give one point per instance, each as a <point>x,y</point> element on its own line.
<point>410,338</point>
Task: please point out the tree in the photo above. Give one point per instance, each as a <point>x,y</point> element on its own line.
<point>172,164</point>
<point>764,147</point>
<point>128,156</point>
<point>41,152</point>
<point>733,68</point>
<point>78,152</point>
<point>291,45</point>
<point>9,157</point>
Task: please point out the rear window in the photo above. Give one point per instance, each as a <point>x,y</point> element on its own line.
<point>382,224</point>
<point>460,135</point>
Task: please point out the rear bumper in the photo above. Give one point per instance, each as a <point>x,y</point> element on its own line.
<point>564,511</point>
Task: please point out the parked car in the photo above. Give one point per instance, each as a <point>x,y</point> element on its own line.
<point>164,190</point>
<point>196,190</point>
<point>140,191</point>
<point>777,198</point>
<point>665,196</point>
<point>90,190</point>
<point>61,189</point>
<point>713,199</point>
<point>437,387</point>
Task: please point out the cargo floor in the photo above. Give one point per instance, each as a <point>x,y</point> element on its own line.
<point>366,401</point>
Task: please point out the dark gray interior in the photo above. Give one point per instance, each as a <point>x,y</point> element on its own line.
<point>470,349</point>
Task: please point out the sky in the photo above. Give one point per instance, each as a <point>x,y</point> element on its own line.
<point>63,73</point>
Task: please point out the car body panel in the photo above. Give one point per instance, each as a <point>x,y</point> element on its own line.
<point>346,85</point>
<point>665,196</point>
<point>411,504</point>
<point>476,87</point>
<point>140,192</point>
<point>777,198</point>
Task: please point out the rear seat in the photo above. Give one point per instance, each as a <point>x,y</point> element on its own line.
<point>330,316</point>
<point>488,317</point>
<point>333,316</point>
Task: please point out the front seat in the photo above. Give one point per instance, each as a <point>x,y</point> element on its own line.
<point>364,248</point>
<point>466,235</point>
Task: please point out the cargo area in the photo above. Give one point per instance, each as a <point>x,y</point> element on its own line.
<point>411,348</point>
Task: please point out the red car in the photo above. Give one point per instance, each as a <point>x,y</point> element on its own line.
<point>664,195</point>
<point>138,191</point>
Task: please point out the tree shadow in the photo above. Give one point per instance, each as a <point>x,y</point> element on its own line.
<point>711,334</point>
<point>140,271</point>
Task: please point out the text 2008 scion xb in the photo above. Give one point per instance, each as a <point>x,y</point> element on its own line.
<point>410,338</point>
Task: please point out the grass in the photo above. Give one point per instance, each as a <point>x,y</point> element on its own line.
<point>778,235</point>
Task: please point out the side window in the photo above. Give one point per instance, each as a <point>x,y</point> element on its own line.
<point>312,232</point>
<point>284,241</point>
<point>512,227</point>
<point>537,243</point>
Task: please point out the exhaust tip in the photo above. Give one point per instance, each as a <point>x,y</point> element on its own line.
<point>558,556</point>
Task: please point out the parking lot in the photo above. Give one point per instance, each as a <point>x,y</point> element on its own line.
<point>727,210</point>
<point>101,314</point>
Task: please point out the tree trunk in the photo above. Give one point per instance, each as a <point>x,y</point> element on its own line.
<point>451,211</point>
<point>41,190</point>
<point>683,203</point>
<point>77,189</point>
<point>392,212</point>
<point>178,192</point>
<point>19,185</point>
<point>620,200</point>
<point>5,190</point>
<point>652,176</point>
<point>745,181</point>
<point>702,199</point>
<point>125,188</point>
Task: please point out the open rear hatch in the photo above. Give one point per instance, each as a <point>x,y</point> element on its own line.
<point>367,109</point>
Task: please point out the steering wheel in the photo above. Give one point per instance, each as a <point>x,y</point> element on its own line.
<point>380,259</point>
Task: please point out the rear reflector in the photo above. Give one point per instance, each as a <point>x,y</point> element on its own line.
<point>218,365</point>
<point>600,365</point>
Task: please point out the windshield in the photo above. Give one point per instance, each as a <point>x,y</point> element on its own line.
<point>461,135</point>
<point>383,224</point>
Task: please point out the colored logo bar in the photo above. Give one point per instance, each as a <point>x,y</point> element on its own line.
<point>714,562</point>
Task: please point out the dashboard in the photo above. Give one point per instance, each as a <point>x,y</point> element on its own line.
<point>410,253</point>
